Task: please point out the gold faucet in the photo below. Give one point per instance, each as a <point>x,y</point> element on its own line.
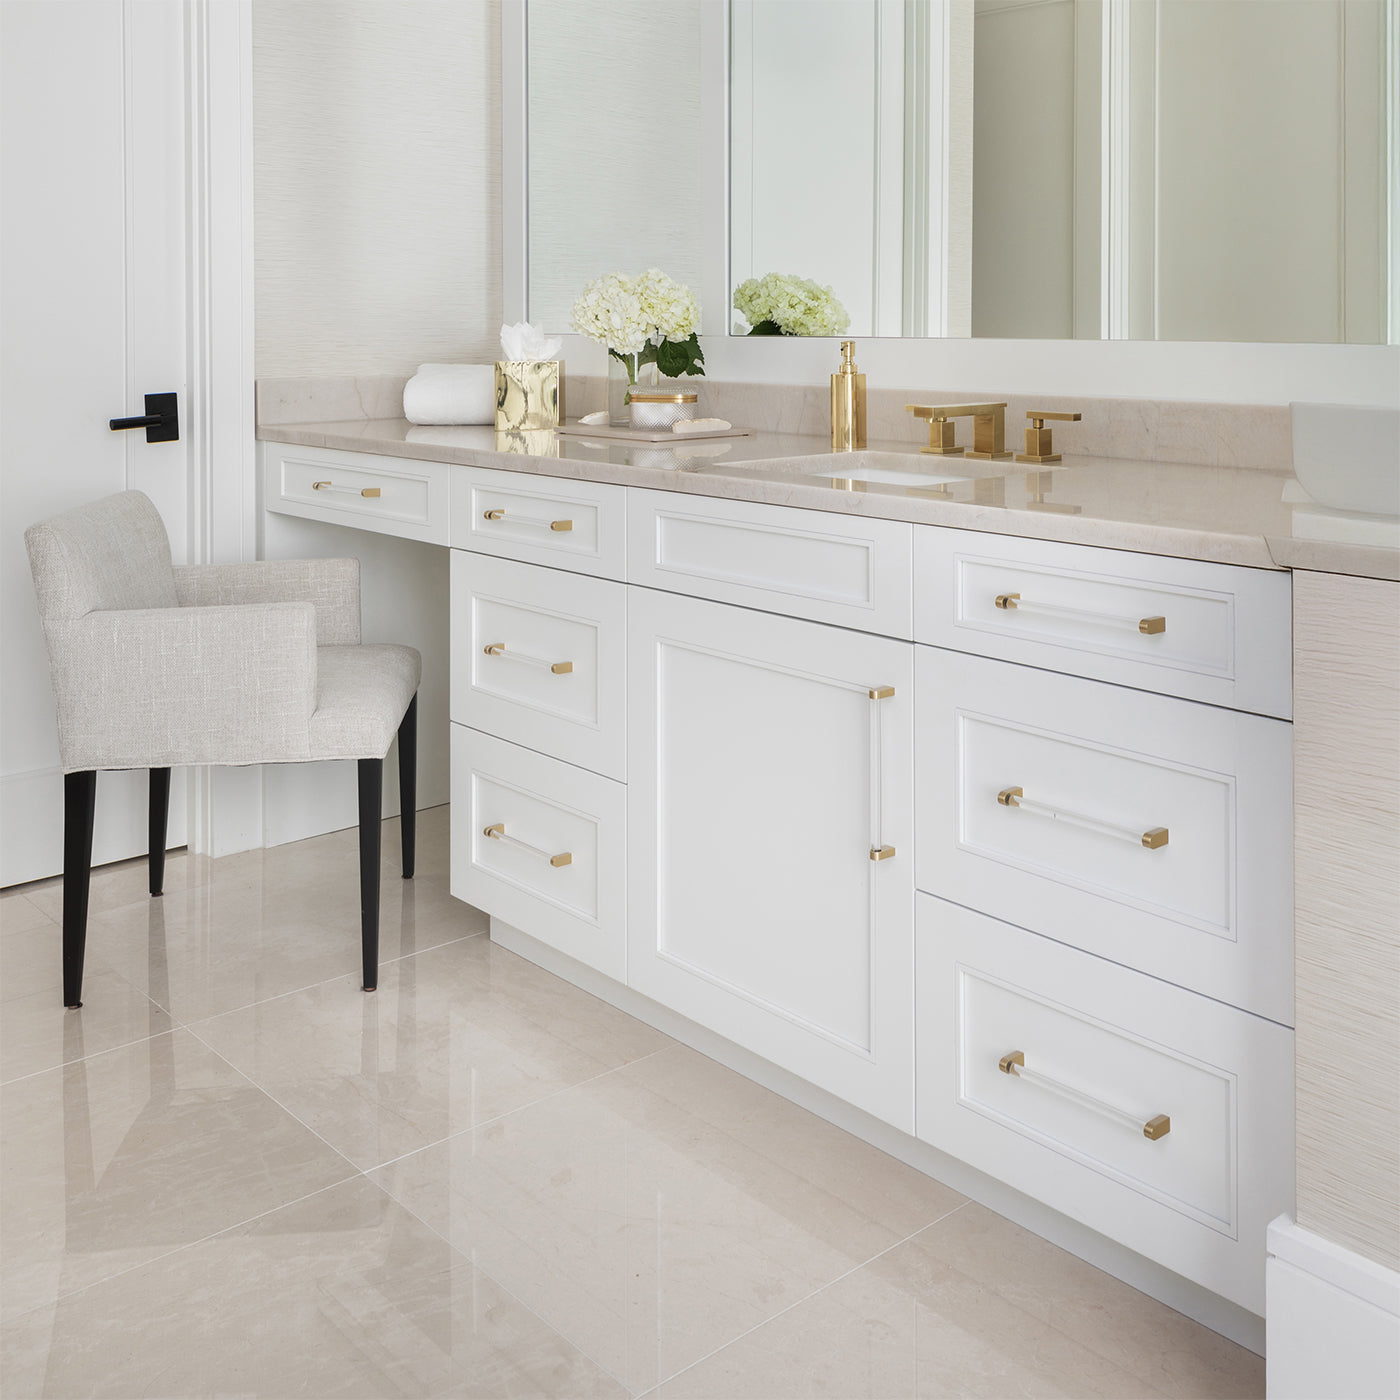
<point>988,429</point>
<point>1038,442</point>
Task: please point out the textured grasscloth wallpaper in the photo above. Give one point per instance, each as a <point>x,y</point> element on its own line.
<point>378,184</point>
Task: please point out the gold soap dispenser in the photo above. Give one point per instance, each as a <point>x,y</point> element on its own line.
<point>847,403</point>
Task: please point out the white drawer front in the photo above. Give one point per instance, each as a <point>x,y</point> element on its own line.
<point>1153,831</point>
<point>1161,1118</point>
<point>1212,632</point>
<point>539,657</point>
<point>389,495</point>
<point>575,525</point>
<point>838,569</point>
<point>541,845</point>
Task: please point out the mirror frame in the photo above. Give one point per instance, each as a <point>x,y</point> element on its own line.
<point>1209,371</point>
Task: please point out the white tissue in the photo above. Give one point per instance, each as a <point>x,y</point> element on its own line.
<point>701,425</point>
<point>451,394</point>
<point>595,420</point>
<point>523,341</point>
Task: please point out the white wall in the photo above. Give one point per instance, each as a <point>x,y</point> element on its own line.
<point>377,247</point>
<point>377,184</point>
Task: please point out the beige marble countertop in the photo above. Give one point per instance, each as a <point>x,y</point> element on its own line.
<point>1222,514</point>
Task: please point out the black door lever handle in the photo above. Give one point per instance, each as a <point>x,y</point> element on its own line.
<point>161,419</point>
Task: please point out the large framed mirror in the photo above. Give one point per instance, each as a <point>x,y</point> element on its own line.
<point>1182,170</point>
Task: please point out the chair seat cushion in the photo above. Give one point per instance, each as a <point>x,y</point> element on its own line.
<point>361,695</point>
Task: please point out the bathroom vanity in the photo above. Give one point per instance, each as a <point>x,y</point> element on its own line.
<point>983,834</point>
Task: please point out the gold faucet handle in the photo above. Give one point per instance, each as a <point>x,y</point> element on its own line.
<point>1038,444</point>
<point>946,411</point>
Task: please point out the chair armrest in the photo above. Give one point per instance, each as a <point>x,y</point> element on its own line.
<point>332,585</point>
<point>153,688</point>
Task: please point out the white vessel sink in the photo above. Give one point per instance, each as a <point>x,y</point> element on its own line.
<point>1348,458</point>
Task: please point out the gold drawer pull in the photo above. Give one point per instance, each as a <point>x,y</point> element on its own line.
<point>559,668</point>
<point>497,832</point>
<point>881,852</point>
<point>1014,1064</point>
<point>556,525</point>
<point>1153,838</point>
<point>345,490</point>
<point>1148,626</point>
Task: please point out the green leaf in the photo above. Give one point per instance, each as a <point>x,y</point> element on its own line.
<point>677,357</point>
<point>767,328</point>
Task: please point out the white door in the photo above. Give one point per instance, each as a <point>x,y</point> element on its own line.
<point>93,298</point>
<point>764,777</point>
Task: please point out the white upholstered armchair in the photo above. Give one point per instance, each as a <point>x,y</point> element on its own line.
<point>154,666</point>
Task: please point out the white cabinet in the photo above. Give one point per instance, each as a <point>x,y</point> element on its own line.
<point>1154,1115</point>
<point>538,658</point>
<point>542,845</point>
<point>1153,831</point>
<point>770,819</point>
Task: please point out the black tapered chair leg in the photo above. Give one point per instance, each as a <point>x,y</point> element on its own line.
<point>159,821</point>
<point>79,802</point>
<point>371,810</point>
<point>408,785</point>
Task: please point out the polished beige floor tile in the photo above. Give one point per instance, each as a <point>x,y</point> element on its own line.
<point>649,1234</point>
<point>121,883</point>
<point>248,936</point>
<point>1166,1350</point>
<point>453,1037</point>
<point>19,913</point>
<point>37,1032</point>
<point>113,1160</point>
<point>344,1293</point>
<point>907,1325</point>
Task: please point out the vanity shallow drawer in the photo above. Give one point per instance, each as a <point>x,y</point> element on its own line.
<point>539,657</point>
<point>1212,632</point>
<point>1158,1117</point>
<point>389,495</point>
<point>829,568</point>
<point>1153,831</point>
<point>575,525</point>
<point>541,845</point>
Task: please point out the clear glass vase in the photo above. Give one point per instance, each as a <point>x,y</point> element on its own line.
<point>622,375</point>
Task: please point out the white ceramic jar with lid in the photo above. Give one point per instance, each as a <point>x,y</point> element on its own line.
<point>654,407</point>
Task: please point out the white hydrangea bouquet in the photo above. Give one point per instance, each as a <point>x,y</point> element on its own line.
<point>783,304</point>
<point>648,319</point>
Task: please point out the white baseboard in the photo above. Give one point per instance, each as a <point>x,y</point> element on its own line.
<point>1334,1320</point>
<point>31,821</point>
<point>1205,1307</point>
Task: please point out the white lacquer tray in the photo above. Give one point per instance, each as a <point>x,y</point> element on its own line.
<point>606,430</point>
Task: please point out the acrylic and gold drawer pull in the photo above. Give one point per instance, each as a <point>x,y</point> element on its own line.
<point>345,490</point>
<point>559,668</point>
<point>1152,838</point>
<point>1148,626</point>
<point>556,525</point>
<point>497,832</point>
<point>1014,1064</point>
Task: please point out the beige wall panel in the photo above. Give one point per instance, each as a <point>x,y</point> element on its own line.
<point>377,184</point>
<point>1347,862</point>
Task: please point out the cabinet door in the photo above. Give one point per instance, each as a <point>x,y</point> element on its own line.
<point>769,768</point>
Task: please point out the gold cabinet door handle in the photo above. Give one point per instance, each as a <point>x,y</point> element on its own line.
<point>558,668</point>
<point>497,832</point>
<point>345,490</point>
<point>1148,626</point>
<point>1014,1064</point>
<point>881,852</point>
<point>1154,838</point>
<point>558,526</point>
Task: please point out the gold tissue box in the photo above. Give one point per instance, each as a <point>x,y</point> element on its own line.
<point>529,395</point>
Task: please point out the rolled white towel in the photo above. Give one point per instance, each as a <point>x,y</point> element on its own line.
<point>449,394</point>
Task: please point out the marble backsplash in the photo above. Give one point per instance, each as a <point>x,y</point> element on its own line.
<point>1150,430</point>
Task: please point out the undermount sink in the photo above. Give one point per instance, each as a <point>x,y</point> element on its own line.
<point>886,476</point>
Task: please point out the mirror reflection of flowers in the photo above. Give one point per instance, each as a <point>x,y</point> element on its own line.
<point>643,320</point>
<point>783,304</point>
